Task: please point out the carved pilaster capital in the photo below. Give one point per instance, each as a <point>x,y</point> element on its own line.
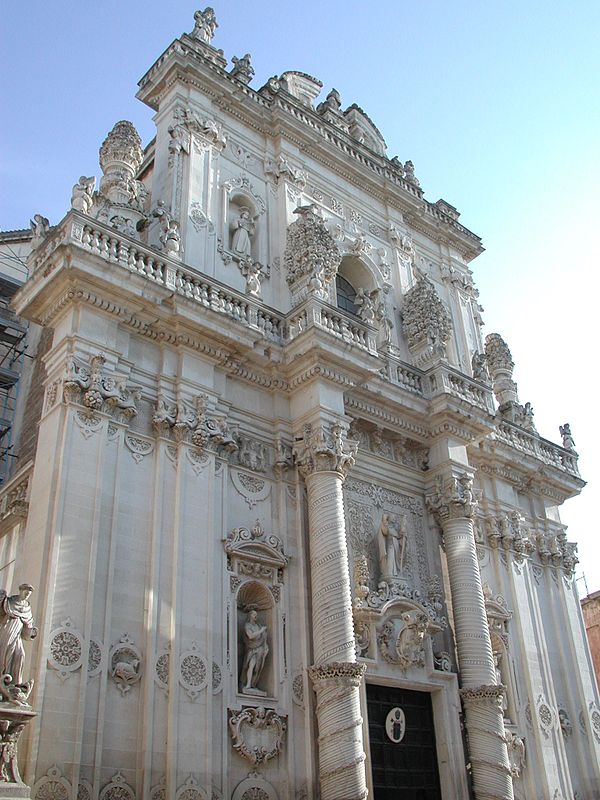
<point>340,673</point>
<point>454,498</point>
<point>321,450</point>
<point>486,694</point>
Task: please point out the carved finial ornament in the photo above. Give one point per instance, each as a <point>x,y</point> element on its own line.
<point>320,450</point>
<point>310,251</point>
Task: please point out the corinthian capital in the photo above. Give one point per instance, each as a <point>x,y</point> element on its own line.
<point>321,450</point>
<point>454,498</point>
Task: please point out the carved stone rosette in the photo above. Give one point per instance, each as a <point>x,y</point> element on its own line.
<point>454,506</point>
<point>324,458</point>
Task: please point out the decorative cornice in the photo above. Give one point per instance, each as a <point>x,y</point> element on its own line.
<point>486,694</point>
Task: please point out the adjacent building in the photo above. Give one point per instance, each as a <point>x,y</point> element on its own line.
<point>292,532</point>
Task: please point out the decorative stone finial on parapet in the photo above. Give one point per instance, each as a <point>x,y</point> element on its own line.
<point>16,626</point>
<point>501,366</point>
<point>242,71</point>
<point>39,228</point>
<point>311,256</point>
<point>122,198</point>
<point>205,24</point>
<point>567,437</point>
<point>409,173</point>
<point>426,322</point>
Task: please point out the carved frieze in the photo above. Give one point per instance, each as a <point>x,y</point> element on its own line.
<point>257,734</point>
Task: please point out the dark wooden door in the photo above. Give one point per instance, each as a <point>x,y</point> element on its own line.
<point>406,770</point>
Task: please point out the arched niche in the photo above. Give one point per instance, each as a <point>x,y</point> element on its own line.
<point>242,226</point>
<point>352,275</point>
<point>256,631</point>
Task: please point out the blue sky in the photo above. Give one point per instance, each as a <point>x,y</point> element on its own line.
<point>496,103</point>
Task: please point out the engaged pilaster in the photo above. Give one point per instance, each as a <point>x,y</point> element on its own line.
<point>454,505</point>
<point>324,458</point>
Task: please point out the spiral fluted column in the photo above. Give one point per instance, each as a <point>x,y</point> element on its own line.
<point>324,458</point>
<point>454,506</point>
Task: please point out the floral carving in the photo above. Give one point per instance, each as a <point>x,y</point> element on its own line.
<point>94,658</point>
<point>311,255</point>
<point>194,423</point>
<point>66,649</point>
<point>193,672</point>
<point>217,678</point>
<point>52,786</point>
<point>325,450</point>
<point>426,321</point>
<point>298,689</point>
<point>117,789</point>
<point>97,390</point>
<point>266,730</point>
<point>190,790</point>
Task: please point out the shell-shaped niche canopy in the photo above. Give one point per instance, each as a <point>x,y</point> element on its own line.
<point>302,86</point>
<point>121,148</point>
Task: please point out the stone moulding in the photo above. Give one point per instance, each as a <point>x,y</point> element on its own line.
<point>257,733</point>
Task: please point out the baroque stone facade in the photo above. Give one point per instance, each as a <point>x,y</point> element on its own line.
<point>277,466</point>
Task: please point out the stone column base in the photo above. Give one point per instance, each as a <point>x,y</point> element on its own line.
<point>13,720</point>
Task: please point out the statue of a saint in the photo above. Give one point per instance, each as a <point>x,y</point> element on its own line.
<point>205,25</point>
<point>392,543</point>
<point>256,651</point>
<point>16,624</point>
<point>244,227</point>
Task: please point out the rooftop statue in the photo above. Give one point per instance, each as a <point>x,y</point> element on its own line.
<point>205,25</point>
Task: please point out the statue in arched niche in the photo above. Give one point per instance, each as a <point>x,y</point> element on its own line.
<point>256,650</point>
<point>244,228</point>
<point>392,545</point>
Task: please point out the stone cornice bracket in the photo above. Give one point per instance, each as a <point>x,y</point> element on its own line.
<point>90,385</point>
<point>322,450</point>
<point>454,498</point>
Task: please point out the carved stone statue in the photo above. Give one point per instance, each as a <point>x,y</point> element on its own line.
<point>366,306</point>
<point>255,637</point>
<point>244,228</point>
<point>409,173</point>
<point>516,753</point>
<point>16,624</point>
<point>392,543</point>
<point>205,25</point>
<point>479,367</point>
<point>251,271</point>
<point>81,197</point>
<point>39,228</point>
<point>567,438</point>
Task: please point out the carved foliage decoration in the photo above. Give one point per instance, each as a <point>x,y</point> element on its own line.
<point>117,789</point>
<point>190,790</point>
<point>321,449</point>
<point>125,664</point>
<point>194,672</point>
<point>254,787</point>
<point>90,385</point>
<point>257,733</point>
<point>66,649</point>
<point>52,786</point>
<point>310,251</point>
<point>252,488</point>
<point>193,424</point>
<point>426,321</point>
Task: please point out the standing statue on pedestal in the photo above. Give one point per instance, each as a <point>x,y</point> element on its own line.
<point>392,543</point>
<point>244,227</point>
<point>205,25</point>
<point>256,651</point>
<point>16,624</point>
